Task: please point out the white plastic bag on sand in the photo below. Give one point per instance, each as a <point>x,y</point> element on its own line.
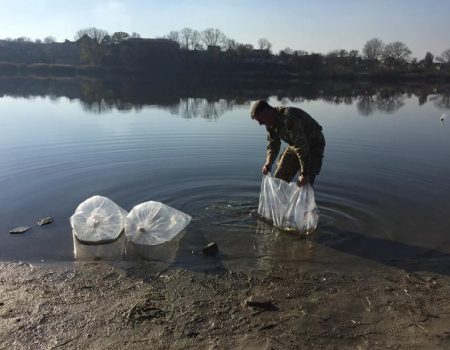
<point>98,220</point>
<point>288,206</point>
<point>153,223</point>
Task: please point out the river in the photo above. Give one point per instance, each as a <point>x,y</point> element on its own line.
<point>383,194</point>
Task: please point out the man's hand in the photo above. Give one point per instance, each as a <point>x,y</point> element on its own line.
<point>303,180</point>
<point>266,168</point>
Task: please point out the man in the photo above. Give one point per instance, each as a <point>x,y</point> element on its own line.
<point>303,135</point>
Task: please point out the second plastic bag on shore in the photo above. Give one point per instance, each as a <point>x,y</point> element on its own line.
<point>153,223</point>
<point>288,206</point>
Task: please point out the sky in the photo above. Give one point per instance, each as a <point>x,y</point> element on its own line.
<point>310,25</point>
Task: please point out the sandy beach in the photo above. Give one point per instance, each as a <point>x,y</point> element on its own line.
<point>100,305</point>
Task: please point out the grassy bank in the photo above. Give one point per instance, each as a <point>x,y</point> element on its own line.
<point>251,72</point>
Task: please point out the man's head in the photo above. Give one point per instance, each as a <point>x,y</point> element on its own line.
<point>263,113</point>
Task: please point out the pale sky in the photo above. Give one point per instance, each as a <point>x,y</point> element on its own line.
<point>313,26</point>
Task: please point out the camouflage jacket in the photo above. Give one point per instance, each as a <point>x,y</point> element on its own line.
<point>295,127</point>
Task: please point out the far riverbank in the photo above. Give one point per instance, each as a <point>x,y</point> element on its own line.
<point>243,73</point>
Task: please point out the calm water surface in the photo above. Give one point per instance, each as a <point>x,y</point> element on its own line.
<point>383,195</point>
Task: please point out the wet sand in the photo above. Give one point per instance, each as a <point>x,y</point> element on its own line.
<point>100,305</point>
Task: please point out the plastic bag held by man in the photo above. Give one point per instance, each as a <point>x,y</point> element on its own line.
<point>98,220</point>
<point>288,206</point>
<point>153,223</point>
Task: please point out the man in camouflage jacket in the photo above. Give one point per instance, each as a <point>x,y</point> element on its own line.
<point>303,135</point>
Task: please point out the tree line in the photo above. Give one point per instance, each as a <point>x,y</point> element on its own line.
<point>397,53</point>
<point>392,54</point>
<point>191,39</point>
<point>214,50</point>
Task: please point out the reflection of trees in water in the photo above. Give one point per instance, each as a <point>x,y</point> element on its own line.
<point>348,100</point>
<point>284,101</point>
<point>211,101</point>
<point>96,98</point>
<point>103,106</point>
<point>441,101</point>
<point>366,105</point>
<point>422,97</point>
<point>298,99</point>
<point>368,101</point>
<point>390,101</point>
<point>287,99</point>
<point>386,100</point>
<point>202,108</point>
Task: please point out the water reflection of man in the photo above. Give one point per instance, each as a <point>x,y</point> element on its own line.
<point>303,135</point>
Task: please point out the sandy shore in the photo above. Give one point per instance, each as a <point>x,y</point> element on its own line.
<point>115,306</point>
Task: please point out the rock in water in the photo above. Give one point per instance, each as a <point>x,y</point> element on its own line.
<point>20,229</point>
<point>45,221</point>
<point>211,249</point>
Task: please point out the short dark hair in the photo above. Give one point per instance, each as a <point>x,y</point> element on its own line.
<point>258,107</point>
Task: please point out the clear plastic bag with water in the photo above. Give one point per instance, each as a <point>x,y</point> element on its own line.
<point>98,220</point>
<point>288,206</point>
<point>153,223</point>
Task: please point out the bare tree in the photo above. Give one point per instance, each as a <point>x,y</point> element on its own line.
<point>107,40</point>
<point>49,39</point>
<point>135,35</point>
<point>342,53</point>
<point>174,35</point>
<point>118,37</point>
<point>300,53</point>
<point>396,53</point>
<point>92,52</point>
<point>190,39</point>
<point>185,38</point>
<point>98,35</point>
<point>23,39</point>
<point>230,44</point>
<point>444,57</point>
<point>196,38</point>
<point>353,53</point>
<point>332,54</point>
<point>287,51</point>
<point>373,49</point>
<point>264,44</point>
<point>213,36</point>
